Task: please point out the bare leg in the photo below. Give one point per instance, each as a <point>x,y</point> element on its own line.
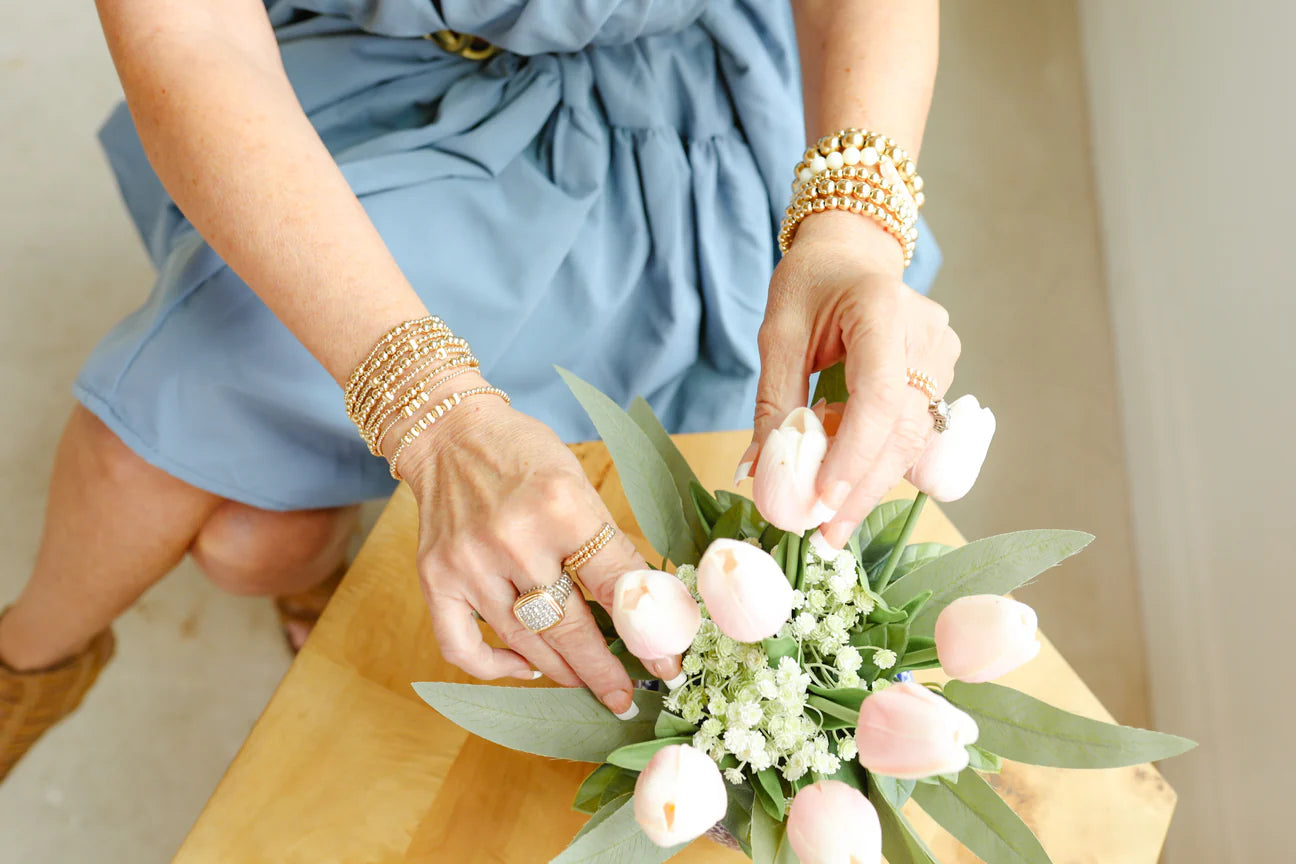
<point>114,526</point>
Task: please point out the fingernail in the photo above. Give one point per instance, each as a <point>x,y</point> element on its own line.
<point>836,496</point>
<point>630,713</point>
<point>676,682</point>
<point>837,534</point>
<point>821,547</point>
<point>745,463</point>
<point>533,675</point>
<point>821,513</point>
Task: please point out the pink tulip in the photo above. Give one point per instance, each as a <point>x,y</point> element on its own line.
<point>654,613</point>
<point>982,637</point>
<point>679,795</point>
<point>832,823</point>
<point>949,466</point>
<point>909,732</point>
<point>830,414</point>
<point>744,589</point>
<point>785,475</point>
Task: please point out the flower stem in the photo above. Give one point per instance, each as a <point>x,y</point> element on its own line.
<point>893,560</point>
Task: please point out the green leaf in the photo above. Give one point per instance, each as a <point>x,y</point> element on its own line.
<point>601,812</point>
<point>766,802</point>
<point>883,533</point>
<point>614,839</point>
<point>983,760</point>
<point>847,697</point>
<point>876,524</point>
<point>900,843</point>
<point>995,565</point>
<point>1024,729</point>
<point>779,647</point>
<point>622,784</point>
<point>647,480</point>
<point>769,842</point>
<point>592,788</point>
<point>768,780</point>
<point>669,725</point>
<point>602,619</point>
<point>635,756</point>
<point>881,613</point>
<point>634,667</point>
<point>738,816</point>
<point>924,658</point>
<point>792,566</point>
<point>641,412</point>
<point>917,554</point>
<point>829,708</point>
<point>978,818</point>
<point>707,507</point>
<point>915,605</point>
<point>564,723</point>
<point>740,521</point>
<point>895,790</point>
<point>831,385</point>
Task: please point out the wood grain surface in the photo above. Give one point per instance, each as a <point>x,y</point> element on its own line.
<point>348,765</point>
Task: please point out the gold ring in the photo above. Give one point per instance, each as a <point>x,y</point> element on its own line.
<point>543,606</point>
<point>924,382</point>
<point>572,563</point>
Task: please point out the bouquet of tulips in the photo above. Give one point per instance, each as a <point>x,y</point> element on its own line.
<point>796,730</point>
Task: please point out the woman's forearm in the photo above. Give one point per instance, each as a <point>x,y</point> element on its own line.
<point>868,64</point>
<point>226,135</point>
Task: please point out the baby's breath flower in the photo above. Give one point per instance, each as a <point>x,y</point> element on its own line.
<point>884,658</point>
<point>848,679</point>
<point>846,748</point>
<point>798,598</point>
<point>804,625</point>
<point>712,727</point>
<point>734,776</point>
<point>864,601</point>
<point>750,714</point>
<point>816,601</point>
<point>848,659</point>
<point>687,574</point>
<point>843,563</point>
<point>796,767</point>
<point>754,657</point>
<point>880,684</point>
<point>692,663</point>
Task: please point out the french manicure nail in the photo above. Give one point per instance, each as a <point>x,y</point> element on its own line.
<point>676,682</point>
<point>820,545</point>
<point>822,513</point>
<point>630,713</point>
<point>745,463</point>
<point>533,675</point>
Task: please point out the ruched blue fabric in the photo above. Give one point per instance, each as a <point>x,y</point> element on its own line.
<point>604,195</point>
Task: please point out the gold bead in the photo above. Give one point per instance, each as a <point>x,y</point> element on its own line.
<point>917,183</point>
<point>824,148</point>
<point>834,144</point>
<point>856,138</point>
<point>919,199</point>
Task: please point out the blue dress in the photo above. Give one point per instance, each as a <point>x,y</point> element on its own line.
<point>603,195</point>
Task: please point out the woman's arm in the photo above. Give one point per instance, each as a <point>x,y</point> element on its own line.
<point>837,294</point>
<point>226,135</point>
<point>870,64</point>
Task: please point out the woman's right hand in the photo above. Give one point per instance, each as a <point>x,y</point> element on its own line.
<point>502,501</point>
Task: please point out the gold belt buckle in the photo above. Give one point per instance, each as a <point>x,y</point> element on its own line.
<point>466,45</point>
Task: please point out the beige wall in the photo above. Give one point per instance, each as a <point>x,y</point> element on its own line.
<point>1193,131</point>
<point>1011,200</point>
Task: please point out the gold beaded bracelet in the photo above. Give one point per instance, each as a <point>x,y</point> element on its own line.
<point>379,384</point>
<point>438,411</point>
<point>863,173</point>
<point>418,397</point>
<point>365,367</point>
<point>387,385</point>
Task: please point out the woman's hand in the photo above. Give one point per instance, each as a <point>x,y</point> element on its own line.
<point>501,502</point>
<point>837,295</point>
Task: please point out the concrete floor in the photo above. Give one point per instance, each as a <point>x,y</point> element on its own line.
<point>1007,165</point>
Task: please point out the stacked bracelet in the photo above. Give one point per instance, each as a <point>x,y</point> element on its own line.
<point>438,411</point>
<point>861,172</point>
<point>400,376</point>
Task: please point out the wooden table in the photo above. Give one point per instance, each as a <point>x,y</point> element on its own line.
<point>348,765</point>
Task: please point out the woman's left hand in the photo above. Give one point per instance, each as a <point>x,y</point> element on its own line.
<point>838,295</point>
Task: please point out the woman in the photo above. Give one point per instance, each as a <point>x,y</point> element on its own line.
<point>597,186</point>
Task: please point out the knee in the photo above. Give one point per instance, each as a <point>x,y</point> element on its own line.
<point>249,551</point>
<point>100,450</point>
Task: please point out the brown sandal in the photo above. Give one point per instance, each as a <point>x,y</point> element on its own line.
<point>298,613</point>
<point>32,702</point>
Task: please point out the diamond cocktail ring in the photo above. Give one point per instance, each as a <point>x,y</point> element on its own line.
<point>544,606</point>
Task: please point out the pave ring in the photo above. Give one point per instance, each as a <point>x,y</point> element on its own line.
<point>543,606</point>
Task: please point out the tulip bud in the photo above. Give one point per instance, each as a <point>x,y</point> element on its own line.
<point>909,732</point>
<point>654,614</point>
<point>830,414</point>
<point>832,823</point>
<point>982,637</point>
<point>949,466</point>
<point>679,795</point>
<point>785,475</point>
<point>745,591</point>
